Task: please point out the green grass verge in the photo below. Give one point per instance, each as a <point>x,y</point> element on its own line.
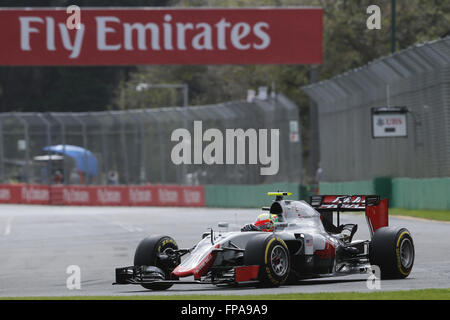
<point>442,215</point>
<point>424,294</point>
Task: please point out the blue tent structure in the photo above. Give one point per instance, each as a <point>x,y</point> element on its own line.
<point>84,159</point>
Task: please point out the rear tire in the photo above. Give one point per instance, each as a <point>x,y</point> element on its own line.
<point>392,250</point>
<point>147,255</point>
<point>271,254</point>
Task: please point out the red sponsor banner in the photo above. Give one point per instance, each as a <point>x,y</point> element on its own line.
<point>72,195</point>
<point>109,196</point>
<point>169,196</point>
<point>10,193</point>
<point>161,36</point>
<point>142,196</point>
<point>35,194</point>
<point>157,195</point>
<point>193,196</point>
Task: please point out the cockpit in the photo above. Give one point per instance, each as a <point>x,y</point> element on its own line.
<point>297,215</point>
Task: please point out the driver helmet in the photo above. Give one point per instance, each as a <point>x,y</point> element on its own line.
<point>266,222</point>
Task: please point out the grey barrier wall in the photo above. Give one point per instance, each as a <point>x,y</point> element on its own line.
<point>418,78</point>
<point>134,146</point>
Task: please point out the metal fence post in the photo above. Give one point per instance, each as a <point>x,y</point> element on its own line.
<point>83,132</point>
<point>314,135</point>
<point>162,167</point>
<point>185,95</point>
<point>27,145</point>
<point>2,154</point>
<point>142,153</point>
<point>49,143</point>
<point>105,162</point>
<point>63,141</point>
<point>123,143</point>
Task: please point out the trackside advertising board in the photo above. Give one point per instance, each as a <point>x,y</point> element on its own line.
<point>123,36</point>
<point>154,195</point>
<point>389,122</point>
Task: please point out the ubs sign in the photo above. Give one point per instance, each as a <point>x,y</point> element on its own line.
<point>389,122</point>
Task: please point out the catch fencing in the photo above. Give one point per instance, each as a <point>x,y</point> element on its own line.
<point>418,78</point>
<point>133,147</point>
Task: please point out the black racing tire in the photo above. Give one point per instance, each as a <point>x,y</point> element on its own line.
<point>272,256</point>
<point>392,250</point>
<point>147,255</point>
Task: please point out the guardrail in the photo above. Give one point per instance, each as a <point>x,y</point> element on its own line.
<point>153,195</point>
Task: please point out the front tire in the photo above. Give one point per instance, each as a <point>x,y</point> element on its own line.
<point>392,250</point>
<point>271,254</point>
<point>147,254</point>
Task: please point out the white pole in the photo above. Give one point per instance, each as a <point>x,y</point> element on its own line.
<point>388,96</point>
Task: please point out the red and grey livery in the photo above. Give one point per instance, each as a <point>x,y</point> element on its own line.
<point>376,209</point>
<point>305,243</point>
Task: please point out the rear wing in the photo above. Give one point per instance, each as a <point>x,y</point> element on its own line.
<point>344,202</point>
<point>376,209</point>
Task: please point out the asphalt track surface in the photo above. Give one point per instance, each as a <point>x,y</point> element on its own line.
<point>38,243</point>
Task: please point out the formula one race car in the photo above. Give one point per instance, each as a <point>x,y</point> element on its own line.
<point>304,243</point>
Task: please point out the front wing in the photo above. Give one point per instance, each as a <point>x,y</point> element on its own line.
<point>144,275</point>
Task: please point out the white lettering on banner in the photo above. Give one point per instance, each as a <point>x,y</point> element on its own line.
<point>142,35</point>
<point>191,196</point>
<point>75,47</point>
<point>137,195</point>
<point>26,30</point>
<point>5,194</point>
<point>202,35</point>
<point>35,194</point>
<point>102,30</point>
<point>150,35</point>
<point>70,195</point>
<point>167,196</point>
<point>108,196</point>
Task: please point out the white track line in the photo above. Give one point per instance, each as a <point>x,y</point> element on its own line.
<point>8,226</point>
